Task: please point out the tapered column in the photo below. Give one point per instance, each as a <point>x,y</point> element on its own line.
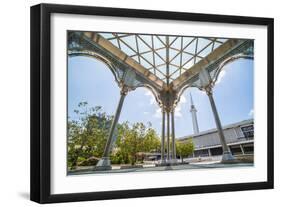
<point>104,163</point>
<point>168,136</point>
<point>163,137</point>
<point>209,152</point>
<point>173,137</point>
<point>242,149</point>
<point>227,156</point>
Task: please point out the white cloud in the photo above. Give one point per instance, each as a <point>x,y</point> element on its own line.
<point>221,75</point>
<point>199,92</point>
<point>182,99</point>
<point>158,113</point>
<point>152,101</point>
<point>251,113</point>
<point>145,112</point>
<point>152,98</point>
<point>179,107</point>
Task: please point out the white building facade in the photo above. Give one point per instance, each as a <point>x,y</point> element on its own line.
<point>239,138</point>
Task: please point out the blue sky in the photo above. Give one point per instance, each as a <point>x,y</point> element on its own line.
<point>90,80</point>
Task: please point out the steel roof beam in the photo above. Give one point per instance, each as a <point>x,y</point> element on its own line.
<point>214,56</point>
<point>110,48</point>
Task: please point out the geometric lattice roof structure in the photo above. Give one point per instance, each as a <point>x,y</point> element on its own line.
<point>166,64</point>
<point>167,57</point>
<point>162,63</point>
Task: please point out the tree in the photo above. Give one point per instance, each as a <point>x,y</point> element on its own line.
<point>184,149</point>
<point>134,140</point>
<point>87,134</point>
<point>151,142</point>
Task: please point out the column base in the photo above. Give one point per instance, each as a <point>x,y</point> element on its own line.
<point>227,157</point>
<point>161,163</point>
<point>169,162</point>
<point>173,161</point>
<point>103,164</point>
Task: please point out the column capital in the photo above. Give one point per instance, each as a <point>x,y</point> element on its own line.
<point>209,90</point>
<point>172,110</point>
<point>125,89</point>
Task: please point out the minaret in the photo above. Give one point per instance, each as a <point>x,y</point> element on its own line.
<point>194,116</point>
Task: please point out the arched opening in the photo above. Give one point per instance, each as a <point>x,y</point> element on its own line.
<point>142,117</point>
<point>234,91</point>
<point>92,97</point>
<point>233,95</point>
<point>140,106</point>
<point>91,81</point>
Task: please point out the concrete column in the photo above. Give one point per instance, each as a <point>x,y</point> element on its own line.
<point>163,137</point>
<point>168,136</point>
<point>242,149</point>
<point>227,156</point>
<point>104,163</point>
<point>209,152</point>
<point>173,137</point>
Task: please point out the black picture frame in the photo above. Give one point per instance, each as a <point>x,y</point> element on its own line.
<point>41,99</point>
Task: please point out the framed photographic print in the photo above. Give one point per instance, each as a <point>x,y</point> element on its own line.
<point>132,103</point>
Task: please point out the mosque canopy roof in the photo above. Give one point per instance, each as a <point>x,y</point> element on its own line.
<point>167,57</point>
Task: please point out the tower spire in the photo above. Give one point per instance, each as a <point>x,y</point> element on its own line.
<point>194,116</point>
<point>191,100</point>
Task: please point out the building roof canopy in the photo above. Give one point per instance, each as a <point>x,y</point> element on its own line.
<point>167,57</point>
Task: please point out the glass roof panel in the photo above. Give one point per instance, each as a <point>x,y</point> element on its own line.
<point>197,59</point>
<point>216,45</point>
<point>191,47</point>
<point>172,53</point>
<point>147,39</point>
<point>158,60</point>
<point>142,45</point>
<point>189,63</point>
<point>136,58</point>
<point>160,75</point>
<point>149,57</point>
<point>175,75</point>
<point>206,51</point>
<point>202,43</point>
<point>162,53</point>
<point>114,41</point>
<point>126,49</point>
<point>176,60</point>
<point>162,39</point>
<point>177,43</point>
<point>186,57</point>
<point>145,63</point>
<point>157,43</point>
<point>150,51</point>
<point>172,39</point>
<point>107,35</point>
<point>187,40</point>
<point>130,40</point>
<point>222,40</point>
<point>172,69</point>
<point>163,69</point>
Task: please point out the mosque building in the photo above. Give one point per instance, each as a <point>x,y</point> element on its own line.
<point>239,138</point>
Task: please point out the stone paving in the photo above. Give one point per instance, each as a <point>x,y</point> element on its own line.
<point>162,168</point>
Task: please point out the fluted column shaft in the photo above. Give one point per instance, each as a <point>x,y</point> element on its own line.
<point>168,136</point>
<point>163,136</point>
<point>173,136</point>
